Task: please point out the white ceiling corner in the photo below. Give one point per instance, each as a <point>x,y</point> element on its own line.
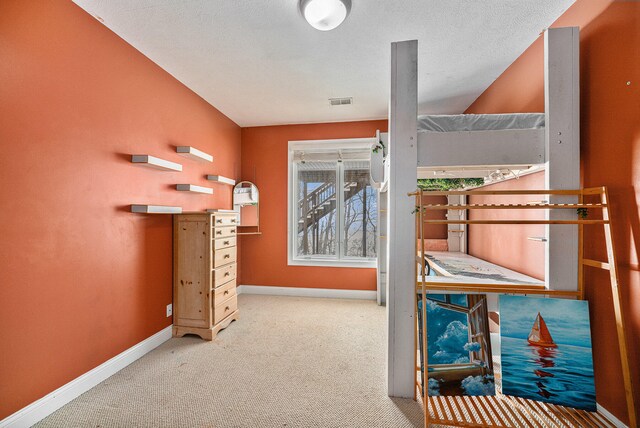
<point>260,63</point>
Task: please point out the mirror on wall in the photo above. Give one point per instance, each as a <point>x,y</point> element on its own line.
<point>246,201</point>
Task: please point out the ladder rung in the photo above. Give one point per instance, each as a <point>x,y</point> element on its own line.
<point>516,221</point>
<point>509,206</point>
<point>596,264</point>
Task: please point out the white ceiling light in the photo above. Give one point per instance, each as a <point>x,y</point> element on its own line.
<point>324,15</point>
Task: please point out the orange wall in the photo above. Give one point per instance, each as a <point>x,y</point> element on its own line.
<point>265,162</point>
<point>82,279</point>
<point>506,244</point>
<point>434,231</point>
<point>610,149</point>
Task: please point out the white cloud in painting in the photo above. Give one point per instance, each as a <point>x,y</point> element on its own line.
<point>472,347</point>
<point>434,387</point>
<point>432,306</point>
<point>478,385</point>
<point>450,344</point>
<point>454,337</point>
<point>443,357</point>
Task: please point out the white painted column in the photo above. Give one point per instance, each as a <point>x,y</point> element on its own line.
<point>456,233</point>
<point>402,232</point>
<point>383,198</point>
<point>562,135</point>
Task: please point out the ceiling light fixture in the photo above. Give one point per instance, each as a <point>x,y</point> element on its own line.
<point>324,15</point>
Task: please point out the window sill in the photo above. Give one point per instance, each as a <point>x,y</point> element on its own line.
<point>367,264</point>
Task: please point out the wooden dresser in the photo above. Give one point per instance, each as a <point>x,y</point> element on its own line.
<point>204,273</point>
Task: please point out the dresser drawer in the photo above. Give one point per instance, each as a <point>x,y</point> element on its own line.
<point>224,274</point>
<point>224,232</point>
<point>224,256</point>
<point>225,291</point>
<point>227,220</point>
<point>221,243</point>
<point>224,309</point>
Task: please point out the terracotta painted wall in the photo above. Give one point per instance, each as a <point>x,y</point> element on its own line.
<point>435,231</point>
<point>610,132</point>
<point>82,279</point>
<point>506,244</point>
<point>264,161</point>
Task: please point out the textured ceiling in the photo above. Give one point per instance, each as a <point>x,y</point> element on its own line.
<point>260,63</point>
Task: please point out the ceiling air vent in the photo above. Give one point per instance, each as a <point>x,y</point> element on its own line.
<point>341,101</point>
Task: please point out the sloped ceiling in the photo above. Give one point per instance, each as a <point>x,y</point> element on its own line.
<point>260,63</point>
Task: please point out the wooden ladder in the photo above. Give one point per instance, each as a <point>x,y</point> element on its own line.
<point>501,410</point>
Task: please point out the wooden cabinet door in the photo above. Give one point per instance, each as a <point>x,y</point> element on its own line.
<point>192,272</point>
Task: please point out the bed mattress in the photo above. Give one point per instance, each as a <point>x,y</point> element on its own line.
<point>480,122</point>
<point>460,267</point>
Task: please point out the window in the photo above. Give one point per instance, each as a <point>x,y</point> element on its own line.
<point>332,207</point>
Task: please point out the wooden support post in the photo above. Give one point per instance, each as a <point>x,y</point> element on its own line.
<point>581,254</point>
<point>403,179</point>
<point>562,146</point>
<point>619,312</point>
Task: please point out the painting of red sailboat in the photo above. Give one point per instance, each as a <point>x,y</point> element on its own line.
<point>540,335</point>
<point>545,350</point>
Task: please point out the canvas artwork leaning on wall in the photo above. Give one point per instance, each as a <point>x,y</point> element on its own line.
<point>458,345</point>
<point>546,351</point>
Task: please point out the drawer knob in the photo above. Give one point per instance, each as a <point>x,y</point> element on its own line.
<point>225,292</point>
<point>227,273</point>
<point>226,256</point>
<point>225,243</point>
<point>219,221</point>
<point>218,232</point>
<point>233,231</point>
<point>233,220</point>
<point>226,309</point>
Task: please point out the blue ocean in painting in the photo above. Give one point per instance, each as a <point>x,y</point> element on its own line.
<point>560,375</point>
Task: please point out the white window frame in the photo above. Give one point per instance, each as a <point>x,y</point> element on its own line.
<point>341,261</point>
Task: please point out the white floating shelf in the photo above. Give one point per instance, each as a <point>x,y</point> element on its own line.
<point>155,209</point>
<point>221,179</point>
<point>194,188</point>
<point>217,210</point>
<point>157,163</point>
<point>193,153</point>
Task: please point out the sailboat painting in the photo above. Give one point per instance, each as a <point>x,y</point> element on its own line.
<point>545,347</point>
<point>540,335</point>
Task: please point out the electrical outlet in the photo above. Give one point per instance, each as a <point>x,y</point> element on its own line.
<point>170,309</point>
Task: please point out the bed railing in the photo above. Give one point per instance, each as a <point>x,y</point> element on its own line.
<point>501,410</point>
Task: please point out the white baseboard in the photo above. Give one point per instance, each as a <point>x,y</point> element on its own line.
<point>48,404</point>
<point>326,293</point>
<point>611,418</point>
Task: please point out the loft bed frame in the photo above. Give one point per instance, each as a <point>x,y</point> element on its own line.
<point>475,140</point>
<point>501,410</point>
<point>556,146</point>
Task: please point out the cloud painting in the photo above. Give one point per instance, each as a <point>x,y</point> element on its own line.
<point>458,345</point>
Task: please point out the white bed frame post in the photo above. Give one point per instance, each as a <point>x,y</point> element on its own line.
<point>562,140</point>
<point>403,176</point>
<point>457,233</point>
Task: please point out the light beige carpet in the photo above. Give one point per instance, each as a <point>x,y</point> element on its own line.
<point>288,362</point>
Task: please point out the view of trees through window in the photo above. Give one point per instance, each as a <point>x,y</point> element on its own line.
<point>445,184</point>
<point>360,211</point>
<point>330,223</point>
